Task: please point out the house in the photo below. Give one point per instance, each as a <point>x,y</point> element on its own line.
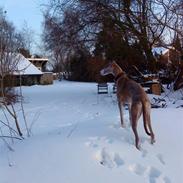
<point>22,72</point>
<point>18,71</point>
<point>167,56</point>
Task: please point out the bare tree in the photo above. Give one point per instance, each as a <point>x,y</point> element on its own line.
<point>143,22</point>
<point>179,30</point>
<point>10,42</point>
<point>27,36</point>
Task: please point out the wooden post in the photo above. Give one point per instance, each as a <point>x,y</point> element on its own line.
<point>156,89</point>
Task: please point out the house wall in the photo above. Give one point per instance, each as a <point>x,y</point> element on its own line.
<point>28,80</point>
<point>170,56</point>
<point>46,78</point>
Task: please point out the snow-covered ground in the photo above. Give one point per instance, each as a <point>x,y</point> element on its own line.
<point>77,138</point>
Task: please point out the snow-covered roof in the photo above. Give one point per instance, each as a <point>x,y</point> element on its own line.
<point>25,67</point>
<point>162,50</point>
<point>159,50</point>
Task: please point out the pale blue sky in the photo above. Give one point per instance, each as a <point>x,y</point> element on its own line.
<point>20,11</point>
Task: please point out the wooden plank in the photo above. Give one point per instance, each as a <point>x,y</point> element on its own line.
<point>102,88</point>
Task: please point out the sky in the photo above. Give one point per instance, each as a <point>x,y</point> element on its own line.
<point>21,11</point>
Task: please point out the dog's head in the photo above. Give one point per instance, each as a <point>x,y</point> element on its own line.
<point>111,68</point>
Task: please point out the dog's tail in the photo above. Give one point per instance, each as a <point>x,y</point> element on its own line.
<point>146,118</point>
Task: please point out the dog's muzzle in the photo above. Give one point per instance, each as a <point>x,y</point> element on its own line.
<point>102,72</point>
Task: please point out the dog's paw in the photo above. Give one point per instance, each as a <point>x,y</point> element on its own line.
<point>153,141</point>
<point>123,125</point>
<point>138,146</point>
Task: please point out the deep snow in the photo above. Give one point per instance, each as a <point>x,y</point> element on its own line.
<point>77,138</point>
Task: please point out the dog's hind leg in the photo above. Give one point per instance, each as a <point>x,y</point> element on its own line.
<point>148,121</point>
<point>152,134</point>
<point>150,128</point>
<point>136,109</point>
<point>121,113</point>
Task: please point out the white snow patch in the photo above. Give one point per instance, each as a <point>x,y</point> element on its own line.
<point>77,138</point>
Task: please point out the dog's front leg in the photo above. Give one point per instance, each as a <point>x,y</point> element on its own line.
<point>120,104</point>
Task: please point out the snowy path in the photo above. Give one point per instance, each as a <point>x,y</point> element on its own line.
<point>77,138</point>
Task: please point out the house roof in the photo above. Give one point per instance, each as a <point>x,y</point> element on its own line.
<point>25,67</point>
<point>38,59</point>
<point>160,50</point>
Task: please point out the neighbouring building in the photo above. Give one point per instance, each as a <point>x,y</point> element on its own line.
<point>167,56</point>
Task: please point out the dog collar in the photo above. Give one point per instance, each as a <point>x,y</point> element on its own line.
<point>118,76</point>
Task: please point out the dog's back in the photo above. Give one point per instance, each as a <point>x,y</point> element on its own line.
<point>129,90</point>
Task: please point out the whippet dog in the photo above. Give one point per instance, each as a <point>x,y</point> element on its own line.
<point>131,93</point>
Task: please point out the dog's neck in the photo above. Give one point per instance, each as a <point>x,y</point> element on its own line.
<point>118,73</point>
<point>118,76</point>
